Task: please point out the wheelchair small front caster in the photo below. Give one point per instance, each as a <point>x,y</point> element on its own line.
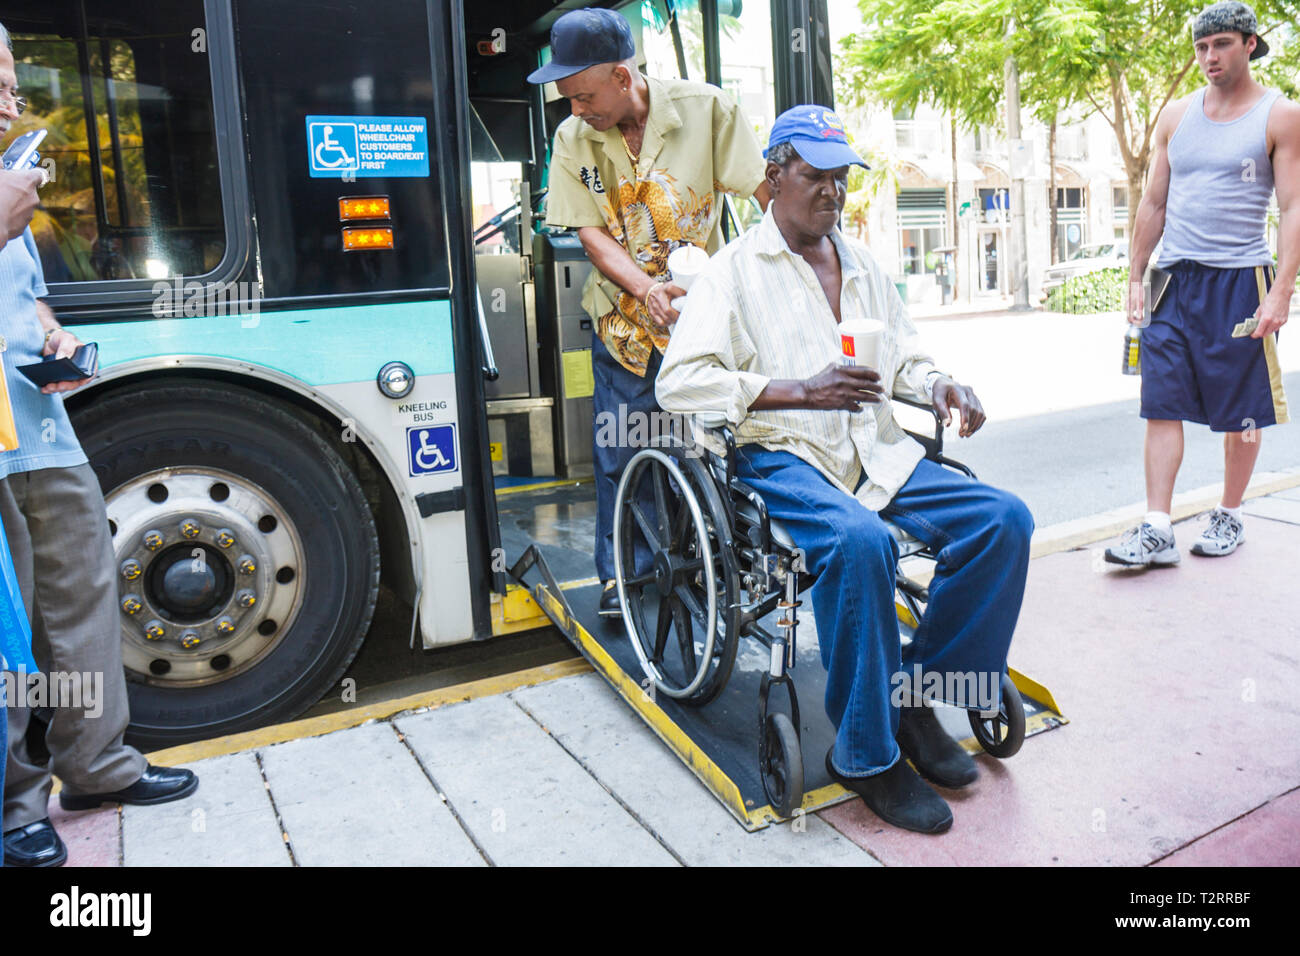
<point>1001,735</point>
<point>780,764</point>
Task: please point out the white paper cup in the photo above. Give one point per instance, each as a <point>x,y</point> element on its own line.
<point>860,342</point>
<point>686,263</point>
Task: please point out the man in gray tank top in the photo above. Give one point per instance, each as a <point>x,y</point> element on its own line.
<point>1220,154</point>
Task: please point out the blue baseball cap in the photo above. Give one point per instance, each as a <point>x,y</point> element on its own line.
<point>583,38</point>
<point>817,135</point>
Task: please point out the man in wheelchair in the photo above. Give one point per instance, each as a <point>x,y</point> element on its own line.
<point>758,340</point>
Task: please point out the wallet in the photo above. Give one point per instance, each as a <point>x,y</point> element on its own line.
<point>1158,280</point>
<point>83,363</point>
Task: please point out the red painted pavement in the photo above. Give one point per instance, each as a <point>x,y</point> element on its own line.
<point>1180,687</point>
<point>1269,836</point>
<point>93,837</point>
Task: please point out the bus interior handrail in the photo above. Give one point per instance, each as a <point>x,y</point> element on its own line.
<point>490,371</point>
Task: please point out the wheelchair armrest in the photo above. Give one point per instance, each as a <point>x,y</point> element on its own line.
<point>717,421</point>
<point>711,419</point>
<point>933,445</point>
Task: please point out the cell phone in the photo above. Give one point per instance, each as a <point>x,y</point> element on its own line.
<point>21,153</point>
<point>83,363</point>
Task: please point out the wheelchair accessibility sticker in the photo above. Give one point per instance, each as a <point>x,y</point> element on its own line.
<point>431,449</point>
<point>357,147</point>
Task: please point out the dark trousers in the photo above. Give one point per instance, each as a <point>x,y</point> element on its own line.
<point>624,396</point>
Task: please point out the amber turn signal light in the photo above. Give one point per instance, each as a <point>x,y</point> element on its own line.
<point>355,240</point>
<point>363,207</point>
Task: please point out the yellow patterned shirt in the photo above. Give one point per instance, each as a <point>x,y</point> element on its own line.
<point>697,144</point>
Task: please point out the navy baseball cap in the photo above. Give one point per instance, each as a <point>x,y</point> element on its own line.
<point>583,38</point>
<point>817,135</point>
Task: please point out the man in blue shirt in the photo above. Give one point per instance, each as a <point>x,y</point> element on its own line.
<point>57,527</point>
<point>18,200</point>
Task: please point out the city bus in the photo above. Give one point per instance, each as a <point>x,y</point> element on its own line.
<point>307,236</point>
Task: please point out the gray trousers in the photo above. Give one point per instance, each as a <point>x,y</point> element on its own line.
<point>63,553</point>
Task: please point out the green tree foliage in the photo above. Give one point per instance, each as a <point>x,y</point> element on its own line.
<point>863,186</point>
<point>1099,291</point>
<point>1127,60</point>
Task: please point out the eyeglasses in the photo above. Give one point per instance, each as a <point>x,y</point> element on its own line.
<point>19,102</point>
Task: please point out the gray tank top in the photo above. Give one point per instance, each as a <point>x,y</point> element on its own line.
<point>1219,186</point>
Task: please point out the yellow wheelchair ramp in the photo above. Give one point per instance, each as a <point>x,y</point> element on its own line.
<point>719,741</point>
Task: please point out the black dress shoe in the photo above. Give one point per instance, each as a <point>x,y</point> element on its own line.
<point>938,757</point>
<point>37,844</point>
<point>609,604</point>
<point>156,785</point>
<point>899,797</point>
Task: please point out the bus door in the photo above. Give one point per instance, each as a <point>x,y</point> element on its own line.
<point>540,411</point>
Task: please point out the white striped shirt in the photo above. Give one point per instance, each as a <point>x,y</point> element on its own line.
<point>758,313</point>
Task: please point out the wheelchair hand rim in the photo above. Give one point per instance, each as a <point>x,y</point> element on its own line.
<point>638,463</point>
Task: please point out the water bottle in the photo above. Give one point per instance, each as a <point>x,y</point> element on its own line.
<point>1132,352</point>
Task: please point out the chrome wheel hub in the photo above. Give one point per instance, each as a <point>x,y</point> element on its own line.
<point>210,574</point>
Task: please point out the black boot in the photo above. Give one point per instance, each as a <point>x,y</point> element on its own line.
<point>899,797</point>
<point>938,757</point>
<point>609,604</point>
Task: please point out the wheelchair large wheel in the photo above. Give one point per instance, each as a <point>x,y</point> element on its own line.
<point>780,764</point>
<point>676,574</point>
<point>1002,734</point>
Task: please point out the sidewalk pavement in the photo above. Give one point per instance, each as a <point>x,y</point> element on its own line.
<point>1181,750</point>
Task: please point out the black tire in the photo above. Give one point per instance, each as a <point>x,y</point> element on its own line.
<point>1002,735</point>
<point>780,764</point>
<point>213,428</point>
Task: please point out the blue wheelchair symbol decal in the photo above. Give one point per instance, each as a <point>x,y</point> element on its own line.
<point>431,449</point>
<point>334,147</point>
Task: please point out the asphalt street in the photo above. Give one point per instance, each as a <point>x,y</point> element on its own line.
<point>1063,428</point>
<point>1078,462</point>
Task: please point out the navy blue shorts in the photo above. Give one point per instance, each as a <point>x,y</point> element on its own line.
<point>1194,370</point>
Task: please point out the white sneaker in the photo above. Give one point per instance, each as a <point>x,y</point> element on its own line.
<point>1144,545</point>
<point>1221,537</point>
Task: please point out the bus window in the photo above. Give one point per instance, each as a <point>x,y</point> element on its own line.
<point>131,145</point>
<point>348,60</point>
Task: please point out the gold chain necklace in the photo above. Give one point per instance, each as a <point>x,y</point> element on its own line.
<point>631,158</point>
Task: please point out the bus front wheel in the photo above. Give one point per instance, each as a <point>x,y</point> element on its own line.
<point>247,557</point>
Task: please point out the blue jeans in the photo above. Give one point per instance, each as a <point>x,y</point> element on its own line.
<point>982,539</point>
<point>623,395</point>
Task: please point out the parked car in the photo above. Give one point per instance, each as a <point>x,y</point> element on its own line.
<point>1090,258</point>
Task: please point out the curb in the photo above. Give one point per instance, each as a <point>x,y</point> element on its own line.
<point>356,716</point>
<point>1081,532</point>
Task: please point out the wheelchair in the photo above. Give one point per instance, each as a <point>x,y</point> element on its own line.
<point>710,565</point>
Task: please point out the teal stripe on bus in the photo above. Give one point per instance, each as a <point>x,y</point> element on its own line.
<point>318,346</point>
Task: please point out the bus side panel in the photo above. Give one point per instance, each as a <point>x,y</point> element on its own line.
<point>336,355</point>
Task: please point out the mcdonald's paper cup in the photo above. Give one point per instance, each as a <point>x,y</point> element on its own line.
<point>860,342</point>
